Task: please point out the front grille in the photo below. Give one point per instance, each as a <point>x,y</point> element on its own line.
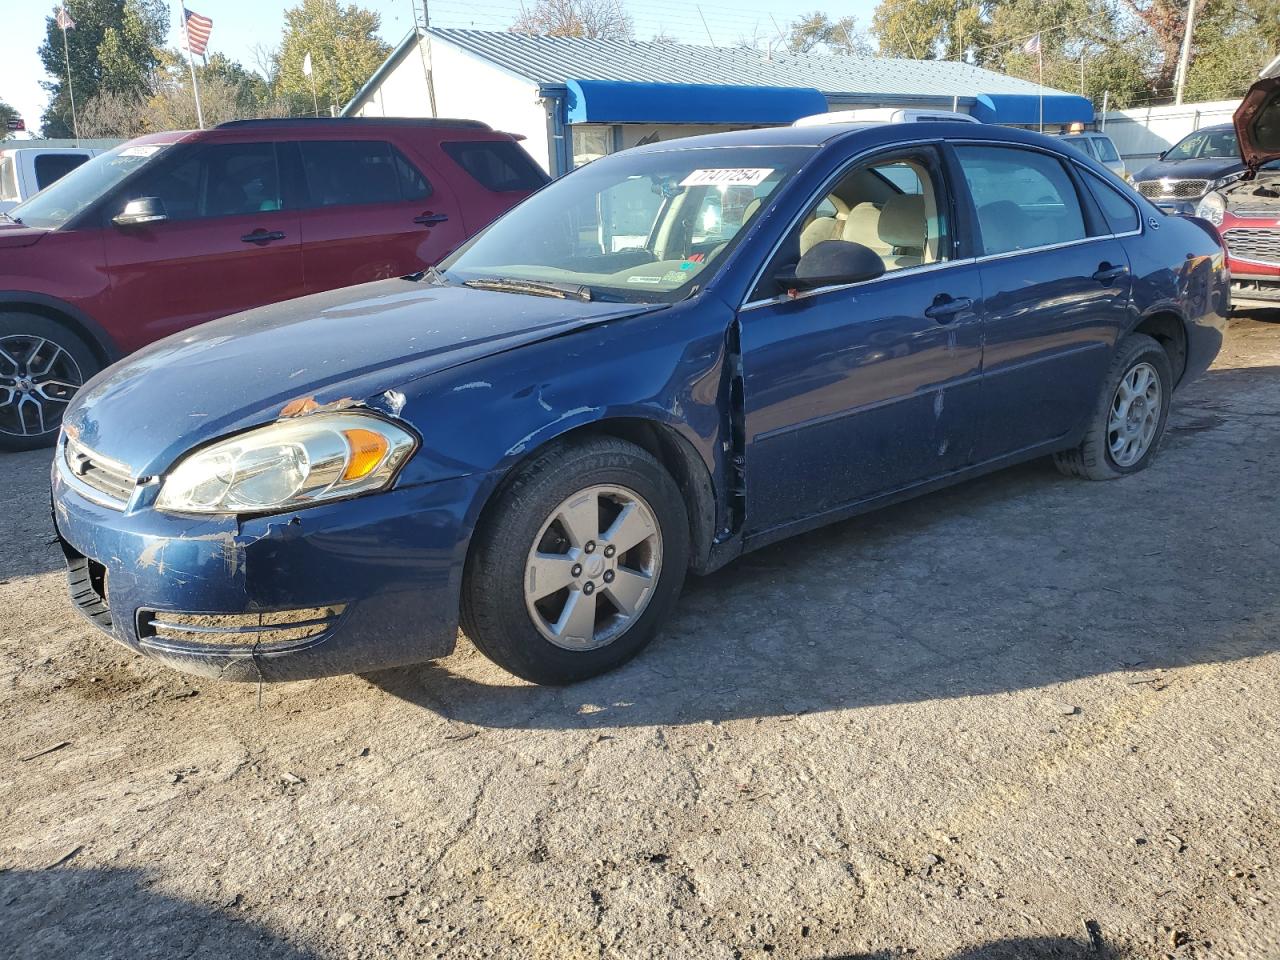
<point>1249,243</point>
<point>109,477</point>
<point>238,629</point>
<point>1173,189</point>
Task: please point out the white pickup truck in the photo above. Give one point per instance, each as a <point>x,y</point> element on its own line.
<point>26,170</point>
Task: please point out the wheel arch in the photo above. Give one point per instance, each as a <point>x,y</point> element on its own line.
<point>59,311</point>
<point>1169,330</point>
<point>665,443</point>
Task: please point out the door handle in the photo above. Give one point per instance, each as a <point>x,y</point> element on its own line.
<point>945,307</point>
<point>1106,273</point>
<point>430,219</point>
<point>262,237</point>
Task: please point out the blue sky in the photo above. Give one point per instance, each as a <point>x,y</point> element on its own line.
<point>240,24</point>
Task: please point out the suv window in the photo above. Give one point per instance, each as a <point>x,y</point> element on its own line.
<point>1024,198</point>
<point>213,180</point>
<point>54,166</point>
<point>1122,216</point>
<point>342,173</point>
<point>498,165</point>
<point>1106,149</point>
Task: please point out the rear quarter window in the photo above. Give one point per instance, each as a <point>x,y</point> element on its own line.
<point>54,166</point>
<point>497,165</point>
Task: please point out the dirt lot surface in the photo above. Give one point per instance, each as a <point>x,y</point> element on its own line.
<point>1027,717</point>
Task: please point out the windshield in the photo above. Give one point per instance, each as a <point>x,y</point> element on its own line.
<point>64,198</point>
<point>1206,145</point>
<point>645,227</point>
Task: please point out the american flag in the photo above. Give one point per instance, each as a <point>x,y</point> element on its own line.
<point>1032,46</point>
<point>198,30</point>
<point>63,19</point>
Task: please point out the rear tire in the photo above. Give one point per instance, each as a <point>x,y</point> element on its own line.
<point>1129,417</point>
<point>577,563</point>
<point>42,366</point>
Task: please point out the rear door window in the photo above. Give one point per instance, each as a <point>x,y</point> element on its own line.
<point>8,179</point>
<point>1106,150</point>
<point>1121,214</point>
<point>343,173</point>
<point>1024,198</point>
<point>498,165</point>
<point>52,166</point>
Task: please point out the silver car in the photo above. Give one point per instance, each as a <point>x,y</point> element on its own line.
<point>1098,146</point>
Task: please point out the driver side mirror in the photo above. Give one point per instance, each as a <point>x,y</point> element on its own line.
<point>1163,153</point>
<point>832,263</point>
<point>141,210</point>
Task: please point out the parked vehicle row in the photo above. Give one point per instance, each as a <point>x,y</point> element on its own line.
<point>170,230</point>
<point>665,359</point>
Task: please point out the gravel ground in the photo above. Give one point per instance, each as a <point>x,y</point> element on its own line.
<point>1027,717</point>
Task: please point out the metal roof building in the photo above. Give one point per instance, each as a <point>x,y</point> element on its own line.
<point>574,99</point>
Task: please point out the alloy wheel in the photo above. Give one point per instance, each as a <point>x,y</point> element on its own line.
<point>1135,415</point>
<point>593,567</point>
<point>38,378</point>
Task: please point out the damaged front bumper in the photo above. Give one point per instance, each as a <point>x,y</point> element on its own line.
<point>344,587</point>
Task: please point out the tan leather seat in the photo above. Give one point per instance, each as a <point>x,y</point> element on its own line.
<point>902,226</point>
<point>822,228</point>
<point>749,209</point>
<point>863,226</point>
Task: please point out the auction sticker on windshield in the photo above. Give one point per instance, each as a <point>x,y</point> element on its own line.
<point>727,177</point>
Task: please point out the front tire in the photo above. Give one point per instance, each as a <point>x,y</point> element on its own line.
<point>42,365</point>
<point>1129,418</point>
<point>577,563</point>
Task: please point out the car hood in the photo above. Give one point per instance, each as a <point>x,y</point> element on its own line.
<point>1196,168</point>
<point>355,343</point>
<point>1257,119</point>
<point>16,235</point>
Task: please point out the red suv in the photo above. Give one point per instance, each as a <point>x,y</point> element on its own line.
<point>174,229</point>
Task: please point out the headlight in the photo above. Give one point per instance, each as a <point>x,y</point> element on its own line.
<point>1225,181</point>
<point>1211,207</point>
<point>289,464</point>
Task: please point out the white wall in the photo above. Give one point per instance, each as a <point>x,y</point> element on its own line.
<point>1143,133</point>
<point>468,88</point>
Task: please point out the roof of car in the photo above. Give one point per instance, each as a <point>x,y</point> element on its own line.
<point>820,134</point>
<point>348,122</point>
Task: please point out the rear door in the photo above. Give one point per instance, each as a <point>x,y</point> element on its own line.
<point>228,243</point>
<point>1056,288</point>
<point>369,212</point>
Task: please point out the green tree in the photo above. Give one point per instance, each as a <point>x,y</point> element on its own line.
<point>345,51</point>
<point>596,19</point>
<point>816,30</point>
<point>930,29</point>
<point>113,47</point>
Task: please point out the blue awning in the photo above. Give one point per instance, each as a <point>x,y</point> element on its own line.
<point>620,101</point>
<point>1024,108</point>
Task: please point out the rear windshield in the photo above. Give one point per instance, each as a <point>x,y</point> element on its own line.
<point>498,165</point>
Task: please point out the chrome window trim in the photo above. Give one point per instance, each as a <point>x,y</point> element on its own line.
<point>837,287</point>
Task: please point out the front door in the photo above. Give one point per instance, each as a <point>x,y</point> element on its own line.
<point>227,243</point>
<point>861,389</point>
<point>1056,286</point>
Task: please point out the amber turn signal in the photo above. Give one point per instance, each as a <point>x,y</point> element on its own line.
<point>367,451</point>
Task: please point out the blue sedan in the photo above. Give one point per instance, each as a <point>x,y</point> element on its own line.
<point>670,357</point>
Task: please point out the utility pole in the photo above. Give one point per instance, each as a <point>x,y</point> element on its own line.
<point>1184,60</point>
<point>420,27</point>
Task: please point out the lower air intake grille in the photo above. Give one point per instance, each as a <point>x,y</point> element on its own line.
<point>1260,246</point>
<point>238,629</point>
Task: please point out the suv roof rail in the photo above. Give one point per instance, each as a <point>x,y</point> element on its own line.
<point>398,121</point>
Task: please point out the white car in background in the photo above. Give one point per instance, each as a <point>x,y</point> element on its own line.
<point>25,171</point>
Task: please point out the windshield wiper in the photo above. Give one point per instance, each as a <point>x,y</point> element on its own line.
<point>11,218</point>
<point>539,288</point>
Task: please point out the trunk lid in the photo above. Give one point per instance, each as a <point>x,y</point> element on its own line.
<point>1257,119</point>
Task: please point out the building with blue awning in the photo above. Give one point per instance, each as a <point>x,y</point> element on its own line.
<point>575,99</point>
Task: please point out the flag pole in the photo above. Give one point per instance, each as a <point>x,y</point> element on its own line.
<point>1040,54</point>
<point>66,54</point>
<point>191,62</point>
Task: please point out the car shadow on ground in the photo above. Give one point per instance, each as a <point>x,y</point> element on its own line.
<point>26,527</point>
<point>71,913</point>
<point>1018,948</point>
<point>1022,579</point>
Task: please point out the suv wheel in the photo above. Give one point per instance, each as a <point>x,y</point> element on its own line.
<point>42,365</point>
<point>578,562</point>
